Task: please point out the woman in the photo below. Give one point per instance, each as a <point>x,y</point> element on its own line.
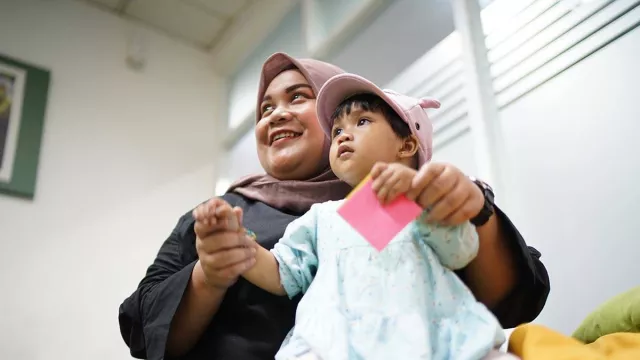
<point>192,304</point>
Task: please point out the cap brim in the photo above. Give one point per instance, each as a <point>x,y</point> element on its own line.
<point>341,87</point>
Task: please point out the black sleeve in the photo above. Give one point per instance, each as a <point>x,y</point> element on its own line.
<point>146,315</point>
<point>527,299</point>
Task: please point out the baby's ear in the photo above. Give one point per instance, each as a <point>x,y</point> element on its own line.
<point>410,147</point>
<point>427,103</point>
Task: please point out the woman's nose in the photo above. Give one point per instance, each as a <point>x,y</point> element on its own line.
<point>280,114</point>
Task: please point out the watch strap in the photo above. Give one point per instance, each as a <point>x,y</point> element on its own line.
<point>487,209</point>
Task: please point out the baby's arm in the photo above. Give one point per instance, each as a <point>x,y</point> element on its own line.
<point>455,246</point>
<point>290,267</point>
<point>265,273</point>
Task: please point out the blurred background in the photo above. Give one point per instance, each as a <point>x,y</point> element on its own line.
<point>150,111</point>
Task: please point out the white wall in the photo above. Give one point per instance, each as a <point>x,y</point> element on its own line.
<point>239,162</point>
<point>396,38</point>
<point>572,145</point>
<point>287,37</point>
<point>569,122</point>
<point>124,154</point>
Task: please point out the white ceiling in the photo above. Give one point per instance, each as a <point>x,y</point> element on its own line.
<point>199,22</point>
<point>228,29</point>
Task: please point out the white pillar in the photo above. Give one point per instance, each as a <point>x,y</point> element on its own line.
<point>483,109</point>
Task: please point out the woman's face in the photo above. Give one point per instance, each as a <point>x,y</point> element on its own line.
<point>289,138</point>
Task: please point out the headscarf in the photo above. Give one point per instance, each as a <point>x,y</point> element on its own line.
<point>294,195</point>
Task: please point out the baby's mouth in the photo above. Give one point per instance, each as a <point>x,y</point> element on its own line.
<point>344,150</point>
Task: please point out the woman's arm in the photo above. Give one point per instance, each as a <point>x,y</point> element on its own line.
<point>198,306</point>
<point>222,257</point>
<point>146,315</point>
<point>492,275</point>
<point>175,301</point>
<point>507,275</point>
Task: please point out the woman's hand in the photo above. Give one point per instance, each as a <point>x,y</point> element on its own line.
<point>451,197</point>
<point>224,249</point>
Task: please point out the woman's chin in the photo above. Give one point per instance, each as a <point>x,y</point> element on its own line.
<point>284,164</point>
<point>293,166</point>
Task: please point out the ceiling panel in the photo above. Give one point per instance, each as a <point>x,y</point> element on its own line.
<point>226,8</point>
<point>178,18</point>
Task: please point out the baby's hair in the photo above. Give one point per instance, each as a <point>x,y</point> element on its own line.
<point>373,103</point>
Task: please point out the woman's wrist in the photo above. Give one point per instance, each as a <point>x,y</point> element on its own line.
<point>200,284</point>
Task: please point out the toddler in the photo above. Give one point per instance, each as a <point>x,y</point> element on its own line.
<point>404,302</point>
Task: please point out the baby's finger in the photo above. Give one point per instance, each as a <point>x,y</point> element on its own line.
<point>197,213</point>
<point>208,207</point>
<point>239,215</point>
<point>233,219</point>
<point>223,210</point>
<point>200,214</point>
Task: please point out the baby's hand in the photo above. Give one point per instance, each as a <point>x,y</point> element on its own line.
<point>216,215</point>
<point>391,180</point>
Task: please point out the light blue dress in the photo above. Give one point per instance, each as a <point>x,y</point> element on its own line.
<point>401,303</point>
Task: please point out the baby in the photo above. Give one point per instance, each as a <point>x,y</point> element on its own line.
<point>404,302</point>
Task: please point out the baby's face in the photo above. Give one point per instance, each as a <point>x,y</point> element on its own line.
<point>358,141</point>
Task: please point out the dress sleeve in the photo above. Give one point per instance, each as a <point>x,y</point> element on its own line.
<point>455,246</point>
<point>529,296</point>
<point>146,315</point>
<point>297,255</point>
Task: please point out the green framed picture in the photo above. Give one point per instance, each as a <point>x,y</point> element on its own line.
<point>23,100</point>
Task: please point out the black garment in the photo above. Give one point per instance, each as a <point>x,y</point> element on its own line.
<point>251,323</point>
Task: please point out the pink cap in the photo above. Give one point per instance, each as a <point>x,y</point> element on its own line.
<point>411,110</point>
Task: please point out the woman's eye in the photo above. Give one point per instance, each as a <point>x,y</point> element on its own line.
<point>266,109</point>
<point>363,121</point>
<point>301,96</point>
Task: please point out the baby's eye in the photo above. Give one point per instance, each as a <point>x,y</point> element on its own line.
<point>363,121</point>
<point>336,132</point>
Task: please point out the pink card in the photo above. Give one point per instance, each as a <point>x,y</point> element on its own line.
<point>377,223</point>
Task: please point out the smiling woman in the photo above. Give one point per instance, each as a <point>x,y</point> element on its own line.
<point>289,138</point>
<point>192,302</point>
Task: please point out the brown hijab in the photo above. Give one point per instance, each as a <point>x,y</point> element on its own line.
<point>294,195</point>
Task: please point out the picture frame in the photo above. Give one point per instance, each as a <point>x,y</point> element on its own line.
<point>24,90</point>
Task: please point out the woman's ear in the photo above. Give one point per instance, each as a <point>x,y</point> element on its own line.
<point>409,147</point>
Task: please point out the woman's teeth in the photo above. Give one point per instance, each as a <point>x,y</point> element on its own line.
<point>285,135</point>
